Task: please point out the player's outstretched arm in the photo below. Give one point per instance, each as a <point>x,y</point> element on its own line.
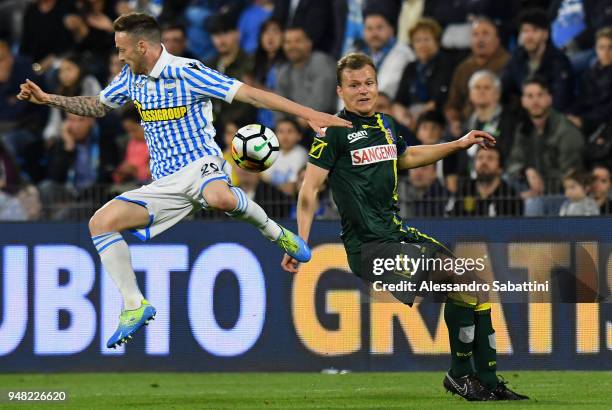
<point>81,105</point>
<point>314,178</point>
<point>422,155</point>
<point>265,99</point>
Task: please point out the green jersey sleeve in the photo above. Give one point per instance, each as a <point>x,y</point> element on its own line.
<point>326,149</point>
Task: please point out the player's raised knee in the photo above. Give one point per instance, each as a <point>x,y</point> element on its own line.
<point>223,200</point>
<point>103,222</point>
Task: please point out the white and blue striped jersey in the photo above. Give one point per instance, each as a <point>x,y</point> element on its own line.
<point>175,108</point>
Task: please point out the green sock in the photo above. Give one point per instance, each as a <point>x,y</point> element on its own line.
<point>485,353</point>
<point>460,323</point>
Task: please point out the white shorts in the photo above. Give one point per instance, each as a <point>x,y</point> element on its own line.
<point>171,198</point>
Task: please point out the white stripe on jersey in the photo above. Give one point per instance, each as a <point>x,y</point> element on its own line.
<point>175,108</point>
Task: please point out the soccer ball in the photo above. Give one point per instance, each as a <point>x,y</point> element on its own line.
<point>255,148</point>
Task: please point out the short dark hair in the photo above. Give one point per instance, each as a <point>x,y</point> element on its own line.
<point>487,20</point>
<point>299,28</point>
<point>433,116</point>
<point>222,22</point>
<point>171,27</point>
<point>602,166</point>
<point>352,61</point>
<point>605,32</point>
<point>536,17</point>
<point>376,12</point>
<point>75,58</point>
<point>494,148</point>
<point>293,122</point>
<point>426,24</point>
<point>579,176</point>
<point>138,25</point>
<point>536,80</point>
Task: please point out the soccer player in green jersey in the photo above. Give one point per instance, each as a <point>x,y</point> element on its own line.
<point>361,165</point>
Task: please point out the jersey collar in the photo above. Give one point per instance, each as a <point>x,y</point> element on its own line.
<point>351,114</point>
<point>162,62</point>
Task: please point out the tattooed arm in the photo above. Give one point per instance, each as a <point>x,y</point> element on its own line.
<point>85,106</point>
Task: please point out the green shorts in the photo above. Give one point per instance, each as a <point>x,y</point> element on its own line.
<point>414,245</point>
<point>430,246</point>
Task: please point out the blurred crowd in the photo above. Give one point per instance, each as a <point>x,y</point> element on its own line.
<point>535,74</point>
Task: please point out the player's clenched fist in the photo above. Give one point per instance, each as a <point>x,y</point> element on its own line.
<point>29,91</point>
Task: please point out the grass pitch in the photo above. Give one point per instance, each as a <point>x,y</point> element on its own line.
<point>418,390</point>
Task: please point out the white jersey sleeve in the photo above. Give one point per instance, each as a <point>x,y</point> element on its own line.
<point>117,93</point>
<point>205,82</point>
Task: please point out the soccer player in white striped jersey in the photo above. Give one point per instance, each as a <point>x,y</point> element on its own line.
<point>173,96</point>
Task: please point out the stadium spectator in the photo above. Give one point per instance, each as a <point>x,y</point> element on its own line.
<point>77,161</point>
<point>390,8</point>
<point>76,158</point>
<point>250,22</point>
<point>292,157</point>
<point>309,77</point>
<point>573,27</point>
<point>537,56</point>
<point>351,25</point>
<point>601,190</point>
<point>488,194</point>
<point>424,83</point>
<point>232,61</point>
<point>598,147</point>
<point>174,38</point>
<point>152,7</point>
<point>321,20</point>
<point>20,123</point>
<point>577,203</point>
<point>276,203</point>
<point>402,115</point>
<point>389,55</point>
<point>11,209</point>
<point>489,115</point>
<point>114,67</point>
<point>14,114</point>
<point>72,80</point>
<point>18,201</point>
<point>424,196</point>
<point>430,130</point>
<point>92,29</point>
<point>29,199</point>
<point>135,165</point>
<point>10,179</point>
<point>269,56</point>
<point>197,14</point>
<point>454,17</point>
<point>44,34</point>
<point>487,54</point>
<point>269,53</point>
<point>173,11</point>
<point>593,106</point>
<point>546,144</point>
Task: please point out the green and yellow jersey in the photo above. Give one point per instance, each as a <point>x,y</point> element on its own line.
<point>362,164</point>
